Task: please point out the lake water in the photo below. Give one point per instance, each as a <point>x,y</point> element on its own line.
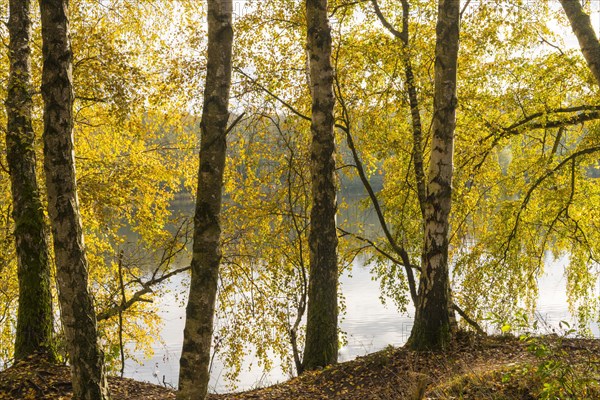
<point>369,326</point>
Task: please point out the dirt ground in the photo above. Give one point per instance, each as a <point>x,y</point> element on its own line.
<point>475,368</point>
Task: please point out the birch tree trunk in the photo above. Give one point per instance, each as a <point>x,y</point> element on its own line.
<point>34,318</point>
<point>195,358</point>
<point>586,36</point>
<point>432,325</point>
<point>77,310</point>
<point>321,330</point>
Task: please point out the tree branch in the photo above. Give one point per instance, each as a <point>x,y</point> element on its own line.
<point>377,248</point>
<point>586,36</point>
<point>234,123</point>
<point>536,184</point>
<point>138,296</point>
<point>587,113</point>
<point>468,319</point>
<point>267,91</point>
<point>403,36</point>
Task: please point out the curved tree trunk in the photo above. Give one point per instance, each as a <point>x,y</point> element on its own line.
<point>433,320</point>
<point>413,99</point>
<point>34,320</point>
<point>586,36</point>
<point>77,310</point>
<point>195,358</point>
<point>321,330</point>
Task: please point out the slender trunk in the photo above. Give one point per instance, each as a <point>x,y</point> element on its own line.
<point>77,309</point>
<point>34,319</point>
<point>195,357</point>
<point>417,152</point>
<point>321,330</point>
<point>302,268</point>
<point>411,88</point>
<point>586,36</point>
<point>417,128</point>
<point>432,328</point>
<point>123,303</point>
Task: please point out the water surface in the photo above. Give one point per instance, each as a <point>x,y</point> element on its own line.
<point>369,325</point>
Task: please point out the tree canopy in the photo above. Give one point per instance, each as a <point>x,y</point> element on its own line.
<point>525,186</point>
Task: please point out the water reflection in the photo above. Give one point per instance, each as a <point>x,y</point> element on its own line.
<point>369,325</point>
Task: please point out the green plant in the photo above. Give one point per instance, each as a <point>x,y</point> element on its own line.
<point>563,374</point>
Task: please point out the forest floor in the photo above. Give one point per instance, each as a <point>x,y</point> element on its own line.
<point>475,368</point>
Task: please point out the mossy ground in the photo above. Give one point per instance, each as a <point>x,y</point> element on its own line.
<point>475,368</point>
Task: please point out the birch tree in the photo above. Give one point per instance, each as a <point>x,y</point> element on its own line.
<point>34,320</point>
<point>206,257</point>
<point>586,36</point>
<point>77,309</point>
<point>432,325</point>
<point>321,346</point>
